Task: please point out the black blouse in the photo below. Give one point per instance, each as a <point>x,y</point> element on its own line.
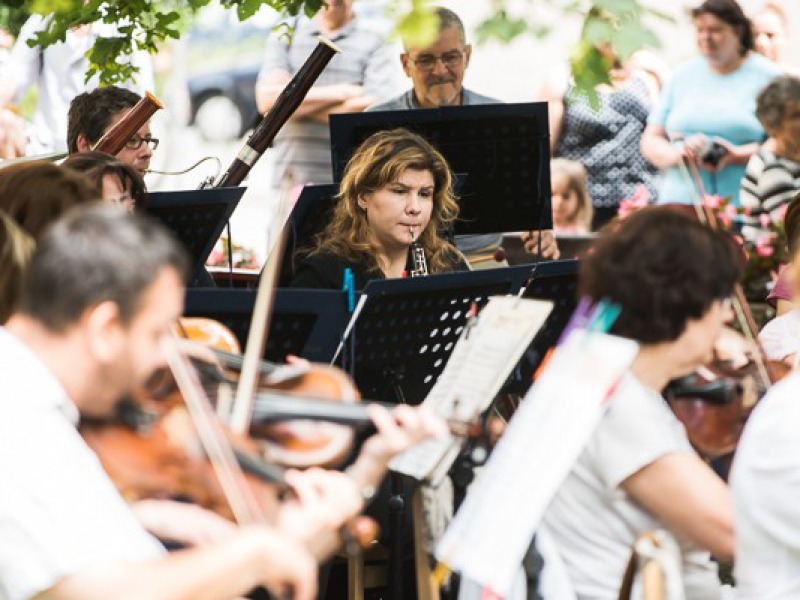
<point>326,271</point>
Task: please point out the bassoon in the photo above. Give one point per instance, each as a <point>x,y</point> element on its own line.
<point>288,101</point>
<point>123,130</point>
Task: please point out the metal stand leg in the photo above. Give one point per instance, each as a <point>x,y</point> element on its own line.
<point>396,521</point>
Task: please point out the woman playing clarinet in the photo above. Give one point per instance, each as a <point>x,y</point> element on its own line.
<point>396,193</point>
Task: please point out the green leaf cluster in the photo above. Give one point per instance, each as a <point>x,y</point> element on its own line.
<point>417,27</point>
<point>144,24</point>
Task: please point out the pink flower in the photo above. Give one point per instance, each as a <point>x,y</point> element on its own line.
<point>625,209</point>
<point>712,201</point>
<point>765,251</point>
<point>765,220</point>
<point>641,197</point>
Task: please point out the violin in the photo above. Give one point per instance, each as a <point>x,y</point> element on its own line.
<point>714,402</point>
<point>292,436</point>
<point>151,451</point>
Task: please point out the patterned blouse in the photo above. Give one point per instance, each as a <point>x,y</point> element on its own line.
<point>606,142</point>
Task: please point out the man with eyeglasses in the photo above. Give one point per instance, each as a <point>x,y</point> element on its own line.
<point>93,113</point>
<point>437,72</point>
<point>437,78</point>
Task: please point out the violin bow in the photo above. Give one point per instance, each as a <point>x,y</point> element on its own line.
<point>742,310</point>
<point>244,505</point>
<point>242,409</point>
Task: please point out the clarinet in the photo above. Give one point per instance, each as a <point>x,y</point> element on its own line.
<point>418,261</point>
<point>123,130</point>
<point>290,98</point>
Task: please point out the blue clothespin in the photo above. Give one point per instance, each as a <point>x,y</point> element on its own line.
<point>348,286</point>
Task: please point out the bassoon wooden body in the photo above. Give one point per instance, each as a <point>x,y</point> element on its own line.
<point>123,130</point>
<point>288,101</point>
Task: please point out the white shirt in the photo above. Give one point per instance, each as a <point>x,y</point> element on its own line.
<point>781,336</point>
<point>60,74</point>
<point>765,480</point>
<point>593,521</point>
<point>59,512</point>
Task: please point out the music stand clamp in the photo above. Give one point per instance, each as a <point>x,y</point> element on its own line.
<point>307,323</point>
<point>503,149</point>
<point>195,217</point>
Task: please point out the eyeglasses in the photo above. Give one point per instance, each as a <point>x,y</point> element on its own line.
<point>136,142</point>
<point>427,62</point>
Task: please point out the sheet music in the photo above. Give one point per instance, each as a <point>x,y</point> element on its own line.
<point>478,366</point>
<point>492,530</point>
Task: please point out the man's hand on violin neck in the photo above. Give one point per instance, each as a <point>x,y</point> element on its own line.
<point>398,430</point>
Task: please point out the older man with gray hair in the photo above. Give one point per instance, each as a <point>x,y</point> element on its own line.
<point>437,78</point>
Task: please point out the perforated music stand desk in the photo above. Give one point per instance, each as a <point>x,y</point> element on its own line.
<point>196,217</point>
<point>306,323</point>
<point>408,328</point>
<point>504,150</point>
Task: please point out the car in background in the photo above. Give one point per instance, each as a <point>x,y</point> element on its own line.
<point>222,58</point>
<point>223,102</point>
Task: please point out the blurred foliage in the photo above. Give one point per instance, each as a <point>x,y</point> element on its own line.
<point>618,25</point>
<point>13,14</point>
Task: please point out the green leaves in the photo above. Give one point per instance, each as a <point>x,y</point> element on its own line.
<point>590,68</point>
<point>616,25</point>
<point>418,27</point>
<point>500,27</point>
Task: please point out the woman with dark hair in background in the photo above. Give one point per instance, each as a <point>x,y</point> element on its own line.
<point>37,193</point>
<point>115,181</point>
<point>706,113</point>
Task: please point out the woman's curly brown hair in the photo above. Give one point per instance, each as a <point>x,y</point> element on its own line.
<point>379,161</point>
<point>663,268</point>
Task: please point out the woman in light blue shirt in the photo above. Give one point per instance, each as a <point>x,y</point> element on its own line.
<point>707,111</point>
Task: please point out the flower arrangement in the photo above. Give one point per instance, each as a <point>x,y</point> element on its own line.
<point>243,257</point>
<point>763,240</point>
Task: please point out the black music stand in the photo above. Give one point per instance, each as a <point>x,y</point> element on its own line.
<point>196,217</point>
<point>402,340</point>
<point>503,149</point>
<point>309,216</point>
<point>408,327</point>
<point>556,281</point>
<point>306,323</point>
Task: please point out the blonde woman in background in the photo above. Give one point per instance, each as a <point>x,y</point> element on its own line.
<point>572,206</point>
